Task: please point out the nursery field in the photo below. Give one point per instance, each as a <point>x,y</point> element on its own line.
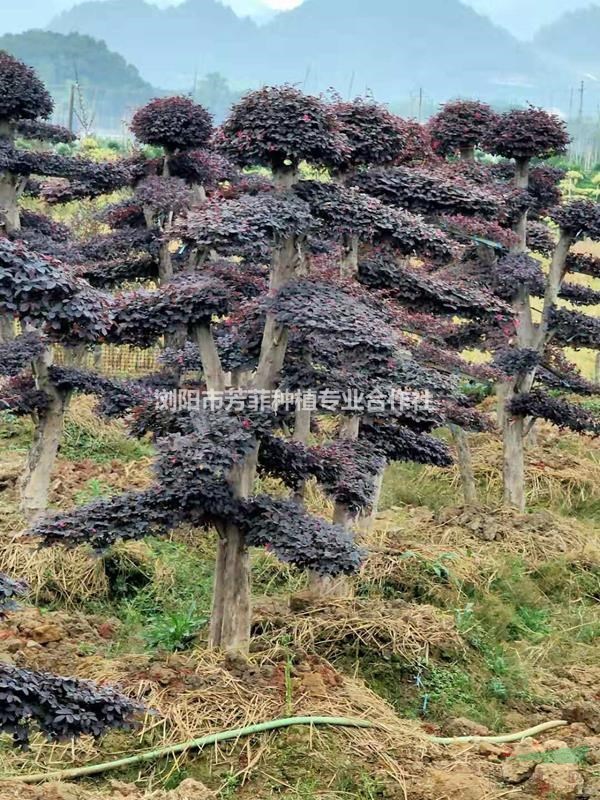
<point>463,622</point>
<point>299,460</point>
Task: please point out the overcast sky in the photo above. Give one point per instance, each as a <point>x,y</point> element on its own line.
<point>522,17</point>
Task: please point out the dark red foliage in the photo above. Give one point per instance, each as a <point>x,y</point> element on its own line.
<point>40,223</point>
<point>527,133</point>
<point>175,123</point>
<point>40,292</point>
<point>472,229</point>
<point>417,143</point>
<point>540,238</point>
<point>204,167</point>
<point>250,226</point>
<point>20,396</point>
<point>460,125</point>
<point>17,354</point>
<point>44,131</point>
<point>402,444</point>
<point>572,329</point>
<point>22,94</point>
<point>348,212</point>
<point>279,126</point>
<point>426,191</point>
<point>143,316</point>
<point>544,189</point>
<point>375,136</point>
<point>60,708</point>
<point>553,409</point>
<point>163,195</point>
<point>580,219</point>
<point>421,292</point>
<point>584,264</point>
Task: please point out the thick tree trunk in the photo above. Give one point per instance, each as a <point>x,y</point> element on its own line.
<point>232,608</point>
<point>214,374</point>
<point>521,182</point>
<point>7,328</point>
<point>302,420</point>
<point>514,463</point>
<point>35,483</point>
<point>10,219</point>
<point>465,465</point>
<point>10,222</point>
<point>231,615</point>
<point>322,585</point>
<point>468,153</point>
<point>285,177</point>
<point>165,263</point>
<point>366,520</point>
<point>349,262</point>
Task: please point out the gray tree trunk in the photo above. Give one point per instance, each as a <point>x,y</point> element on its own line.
<point>349,262</point>
<point>231,614</point>
<point>232,603</point>
<point>35,482</point>
<point>514,462</point>
<point>465,465</point>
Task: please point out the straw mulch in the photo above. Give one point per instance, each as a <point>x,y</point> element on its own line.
<point>562,468</point>
<point>463,547</point>
<point>199,693</point>
<point>411,632</point>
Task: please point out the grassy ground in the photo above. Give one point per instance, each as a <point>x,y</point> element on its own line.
<point>484,615</point>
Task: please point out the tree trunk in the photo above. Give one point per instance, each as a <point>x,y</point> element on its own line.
<point>231,615</point>
<point>7,328</point>
<point>232,609</point>
<point>521,182</point>
<point>323,585</point>
<point>165,263</point>
<point>302,425</point>
<point>285,177</point>
<point>10,222</point>
<point>35,483</point>
<point>302,420</point>
<point>468,153</point>
<point>349,262</point>
<point>514,463</point>
<point>465,465</point>
<point>10,219</point>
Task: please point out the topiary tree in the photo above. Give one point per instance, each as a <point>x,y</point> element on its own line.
<point>522,135</point>
<point>53,307</point>
<point>174,123</point>
<point>278,127</point>
<point>24,99</point>
<point>460,127</point>
<point>375,136</point>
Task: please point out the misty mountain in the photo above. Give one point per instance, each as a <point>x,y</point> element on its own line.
<point>169,45</point>
<point>574,38</point>
<point>109,86</point>
<point>524,19</point>
<point>388,47</point>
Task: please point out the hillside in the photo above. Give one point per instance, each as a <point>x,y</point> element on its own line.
<point>574,38</point>
<point>169,46</point>
<point>391,47</point>
<point>110,86</point>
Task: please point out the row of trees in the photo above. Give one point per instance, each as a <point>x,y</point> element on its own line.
<point>371,281</point>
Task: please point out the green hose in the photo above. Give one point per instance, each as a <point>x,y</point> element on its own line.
<point>193,744</point>
<point>213,738</point>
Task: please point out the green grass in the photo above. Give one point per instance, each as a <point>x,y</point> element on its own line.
<point>80,443</point>
<point>164,610</point>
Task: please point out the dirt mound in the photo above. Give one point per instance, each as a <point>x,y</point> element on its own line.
<point>187,790</point>
<point>406,630</point>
